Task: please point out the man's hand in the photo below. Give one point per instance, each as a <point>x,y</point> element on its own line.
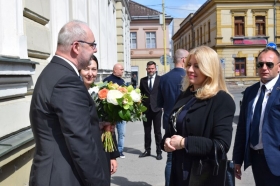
<point>167,146</point>
<point>238,172</point>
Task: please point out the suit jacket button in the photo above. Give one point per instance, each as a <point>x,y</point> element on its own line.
<point>188,120</point>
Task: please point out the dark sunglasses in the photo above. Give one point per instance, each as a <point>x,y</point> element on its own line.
<point>268,64</point>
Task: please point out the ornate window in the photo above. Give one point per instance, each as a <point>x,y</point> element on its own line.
<point>239,26</point>
<point>260,25</point>
<point>240,66</point>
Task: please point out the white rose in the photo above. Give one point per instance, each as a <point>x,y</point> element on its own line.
<point>113,95</point>
<point>136,97</point>
<point>93,89</point>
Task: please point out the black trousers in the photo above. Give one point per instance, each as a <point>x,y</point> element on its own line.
<point>155,119</point>
<point>261,171</point>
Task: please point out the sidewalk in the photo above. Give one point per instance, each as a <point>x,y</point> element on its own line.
<point>135,171</point>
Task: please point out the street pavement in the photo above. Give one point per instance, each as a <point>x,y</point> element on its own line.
<point>135,171</point>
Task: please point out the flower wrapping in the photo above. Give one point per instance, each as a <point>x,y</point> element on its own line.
<point>116,103</point>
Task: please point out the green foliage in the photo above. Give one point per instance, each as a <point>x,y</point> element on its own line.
<point>126,107</point>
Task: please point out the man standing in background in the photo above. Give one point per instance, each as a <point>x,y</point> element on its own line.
<point>168,90</point>
<point>116,77</point>
<point>149,88</point>
<point>134,80</point>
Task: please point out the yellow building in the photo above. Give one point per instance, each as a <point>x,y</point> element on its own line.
<point>237,29</point>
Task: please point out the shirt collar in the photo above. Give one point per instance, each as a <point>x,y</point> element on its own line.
<point>269,85</point>
<point>71,64</point>
<point>116,76</point>
<point>153,76</point>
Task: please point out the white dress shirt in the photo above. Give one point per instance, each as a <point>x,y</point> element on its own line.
<point>153,80</point>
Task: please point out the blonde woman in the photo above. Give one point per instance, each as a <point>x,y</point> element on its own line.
<point>203,112</point>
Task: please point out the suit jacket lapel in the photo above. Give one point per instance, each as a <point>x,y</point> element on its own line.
<point>271,100</point>
<point>62,62</point>
<point>145,84</point>
<point>198,104</point>
<point>251,97</point>
<point>155,83</point>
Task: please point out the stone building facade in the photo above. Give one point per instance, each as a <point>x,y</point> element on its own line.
<point>28,37</point>
<point>237,30</point>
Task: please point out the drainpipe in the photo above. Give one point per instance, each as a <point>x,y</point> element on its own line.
<point>275,21</point>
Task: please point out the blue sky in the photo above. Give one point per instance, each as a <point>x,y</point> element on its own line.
<point>175,8</point>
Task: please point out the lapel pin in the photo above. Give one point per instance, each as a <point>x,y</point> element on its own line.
<point>278,88</point>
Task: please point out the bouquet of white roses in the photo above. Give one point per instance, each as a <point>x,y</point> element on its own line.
<point>114,104</point>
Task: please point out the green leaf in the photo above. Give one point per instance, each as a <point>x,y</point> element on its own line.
<point>143,108</point>
<point>144,118</point>
<point>120,101</point>
<point>121,114</point>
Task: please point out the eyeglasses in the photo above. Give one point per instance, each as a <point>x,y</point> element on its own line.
<point>269,65</point>
<point>93,44</point>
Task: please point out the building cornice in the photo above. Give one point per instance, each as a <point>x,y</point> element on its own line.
<point>149,19</point>
<point>125,4</point>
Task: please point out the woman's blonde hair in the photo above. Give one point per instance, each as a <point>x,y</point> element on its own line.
<point>209,64</point>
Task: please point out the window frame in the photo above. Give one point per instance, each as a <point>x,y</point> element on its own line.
<point>240,63</point>
<point>189,41</point>
<point>150,38</point>
<point>258,26</point>
<point>239,26</point>
<point>200,35</point>
<point>209,31</point>
<point>132,39</point>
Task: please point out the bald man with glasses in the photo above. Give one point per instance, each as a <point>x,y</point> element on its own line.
<point>257,140</point>
<point>63,117</point>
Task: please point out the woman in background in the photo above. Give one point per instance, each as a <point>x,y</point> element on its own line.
<point>89,75</point>
<point>203,112</point>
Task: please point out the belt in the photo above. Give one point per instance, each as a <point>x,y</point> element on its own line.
<point>259,151</point>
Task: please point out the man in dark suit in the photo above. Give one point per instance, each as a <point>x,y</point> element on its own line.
<point>257,140</point>
<point>149,88</point>
<point>168,90</point>
<point>63,117</point>
<point>134,80</point>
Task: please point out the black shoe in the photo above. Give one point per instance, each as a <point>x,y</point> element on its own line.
<point>144,154</point>
<point>159,157</point>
